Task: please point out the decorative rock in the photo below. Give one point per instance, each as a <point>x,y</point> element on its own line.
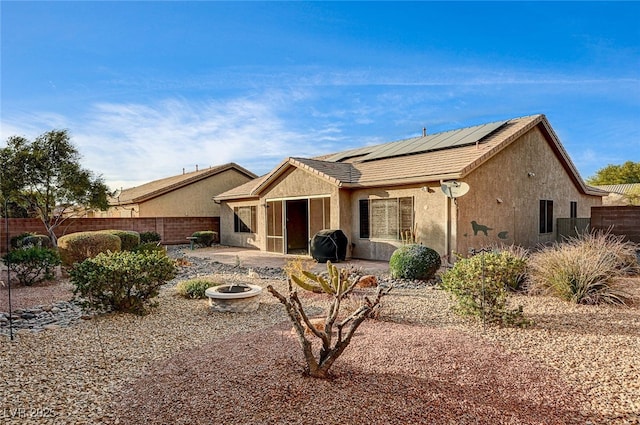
<point>368,281</point>
<point>51,327</point>
<point>317,323</point>
<point>39,318</point>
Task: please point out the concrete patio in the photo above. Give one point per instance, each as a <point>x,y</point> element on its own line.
<point>256,258</point>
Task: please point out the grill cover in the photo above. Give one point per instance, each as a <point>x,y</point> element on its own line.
<point>329,245</point>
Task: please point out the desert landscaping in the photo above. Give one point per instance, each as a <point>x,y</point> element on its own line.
<point>416,363</point>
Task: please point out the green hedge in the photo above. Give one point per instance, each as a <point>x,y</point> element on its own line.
<point>77,247</point>
<point>129,239</point>
<point>205,237</point>
<point>148,237</point>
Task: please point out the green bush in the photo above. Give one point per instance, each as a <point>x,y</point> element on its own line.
<point>121,281</point>
<point>479,286</point>
<point>205,237</point>
<point>414,262</point>
<point>37,240</point>
<point>32,263</point>
<point>128,238</point>
<point>150,247</point>
<point>16,241</point>
<point>148,237</point>
<point>194,288</point>
<point>584,270</point>
<point>77,247</point>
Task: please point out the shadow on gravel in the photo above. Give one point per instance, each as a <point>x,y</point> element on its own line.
<point>390,374</point>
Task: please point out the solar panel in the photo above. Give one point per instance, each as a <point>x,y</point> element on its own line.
<point>444,140</point>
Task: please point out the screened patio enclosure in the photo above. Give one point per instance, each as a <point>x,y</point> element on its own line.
<point>292,222</point>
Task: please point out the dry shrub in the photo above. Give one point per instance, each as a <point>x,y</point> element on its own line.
<point>296,265</point>
<point>584,270</point>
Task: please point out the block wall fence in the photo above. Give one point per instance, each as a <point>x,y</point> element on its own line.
<point>173,230</point>
<point>622,220</point>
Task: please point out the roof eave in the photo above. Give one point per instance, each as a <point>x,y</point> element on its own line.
<point>408,181</point>
<point>284,166</point>
<point>170,188</point>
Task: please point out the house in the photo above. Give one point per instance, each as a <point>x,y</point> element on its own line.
<point>185,195</point>
<point>519,177</point>
<point>621,194</point>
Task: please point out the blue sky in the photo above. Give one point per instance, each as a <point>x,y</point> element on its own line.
<point>149,88</point>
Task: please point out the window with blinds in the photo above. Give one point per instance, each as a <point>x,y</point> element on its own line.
<point>244,219</point>
<point>385,218</point>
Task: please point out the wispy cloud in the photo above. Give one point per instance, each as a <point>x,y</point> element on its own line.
<point>144,142</point>
<point>130,144</point>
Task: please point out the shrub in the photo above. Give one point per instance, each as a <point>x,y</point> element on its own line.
<point>147,237</point>
<point>583,270</point>
<point>479,286</point>
<point>32,263</point>
<point>121,281</point>
<point>414,262</point>
<point>77,247</point>
<point>194,288</point>
<point>150,247</point>
<point>128,238</point>
<point>205,237</point>
<point>37,240</point>
<point>16,241</point>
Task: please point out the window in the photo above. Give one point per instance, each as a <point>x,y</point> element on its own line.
<point>546,216</point>
<point>244,219</point>
<point>385,218</point>
<point>364,218</point>
<point>574,210</point>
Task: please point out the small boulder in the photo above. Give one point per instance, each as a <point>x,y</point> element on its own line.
<point>368,281</point>
<point>318,324</point>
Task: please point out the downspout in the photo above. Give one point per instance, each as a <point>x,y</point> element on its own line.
<point>447,232</point>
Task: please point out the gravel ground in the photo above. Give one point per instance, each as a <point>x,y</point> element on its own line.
<point>418,364</point>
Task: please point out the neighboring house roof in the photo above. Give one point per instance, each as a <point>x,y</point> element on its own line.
<point>621,189</point>
<point>441,156</point>
<point>156,188</point>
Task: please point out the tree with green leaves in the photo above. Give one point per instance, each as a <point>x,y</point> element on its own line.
<point>629,172</point>
<point>44,176</point>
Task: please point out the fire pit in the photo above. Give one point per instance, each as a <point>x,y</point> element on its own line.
<point>234,297</point>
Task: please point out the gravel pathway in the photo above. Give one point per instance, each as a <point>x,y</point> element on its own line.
<point>577,364</point>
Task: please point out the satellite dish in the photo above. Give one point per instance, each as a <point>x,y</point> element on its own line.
<point>454,189</point>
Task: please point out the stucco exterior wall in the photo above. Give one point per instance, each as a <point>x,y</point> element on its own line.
<point>193,200</point>
<point>429,216</point>
<point>295,183</point>
<point>503,199</point>
<point>298,183</point>
<point>245,240</point>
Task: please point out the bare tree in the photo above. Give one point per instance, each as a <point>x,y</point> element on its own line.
<point>338,286</point>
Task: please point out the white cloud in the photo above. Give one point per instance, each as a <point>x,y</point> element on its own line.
<point>130,144</point>
<point>135,143</point>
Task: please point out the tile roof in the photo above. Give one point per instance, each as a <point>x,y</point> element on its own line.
<point>622,189</point>
<point>441,156</point>
<point>159,187</point>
